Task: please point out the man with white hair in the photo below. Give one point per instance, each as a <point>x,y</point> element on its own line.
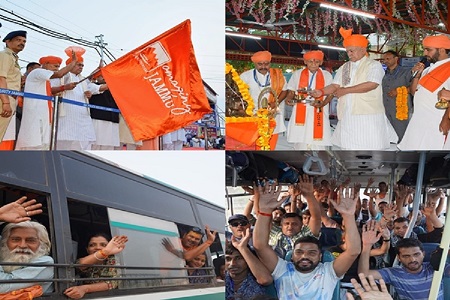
<point>25,242</point>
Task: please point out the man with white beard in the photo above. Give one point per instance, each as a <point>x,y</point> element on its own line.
<point>25,242</point>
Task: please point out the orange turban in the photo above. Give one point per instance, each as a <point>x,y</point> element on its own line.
<point>261,56</point>
<point>353,40</point>
<point>315,54</point>
<point>437,41</point>
<point>50,60</point>
<point>79,59</point>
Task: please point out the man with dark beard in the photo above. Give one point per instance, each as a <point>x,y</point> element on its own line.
<point>25,242</point>
<point>428,128</point>
<point>305,277</point>
<point>412,280</point>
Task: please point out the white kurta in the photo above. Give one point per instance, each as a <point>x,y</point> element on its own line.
<point>107,135</point>
<point>365,131</point>
<point>35,127</point>
<point>255,90</point>
<point>423,132</point>
<point>75,123</point>
<point>174,140</point>
<point>302,135</point>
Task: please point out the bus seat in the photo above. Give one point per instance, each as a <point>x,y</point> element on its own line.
<point>429,248</point>
<point>330,237</point>
<point>446,282</point>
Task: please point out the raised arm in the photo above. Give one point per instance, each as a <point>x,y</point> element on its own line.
<point>369,237</point>
<point>307,188</point>
<point>20,210</point>
<point>114,246</point>
<point>345,205</point>
<point>369,184</point>
<point>191,254</point>
<point>258,269</point>
<point>268,201</point>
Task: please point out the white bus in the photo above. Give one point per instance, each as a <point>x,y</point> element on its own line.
<point>82,194</point>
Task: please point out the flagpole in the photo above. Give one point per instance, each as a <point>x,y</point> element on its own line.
<point>55,120</point>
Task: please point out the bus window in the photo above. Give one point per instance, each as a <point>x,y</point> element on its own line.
<point>145,249</point>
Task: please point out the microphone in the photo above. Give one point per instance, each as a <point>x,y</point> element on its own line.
<point>423,60</point>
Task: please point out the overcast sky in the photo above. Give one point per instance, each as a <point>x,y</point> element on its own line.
<point>201,173</point>
<point>125,25</point>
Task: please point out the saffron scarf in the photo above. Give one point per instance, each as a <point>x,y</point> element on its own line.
<point>276,82</point>
<point>300,112</point>
<point>48,90</point>
<point>436,78</point>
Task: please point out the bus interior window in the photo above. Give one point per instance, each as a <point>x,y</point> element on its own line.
<point>85,220</point>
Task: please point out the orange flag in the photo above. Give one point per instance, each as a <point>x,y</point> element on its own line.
<point>157,86</point>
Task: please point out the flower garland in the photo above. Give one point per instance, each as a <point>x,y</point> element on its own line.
<point>401,103</point>
<point>265,123</point>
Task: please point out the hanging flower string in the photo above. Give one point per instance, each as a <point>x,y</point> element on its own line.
<point>401,103</point>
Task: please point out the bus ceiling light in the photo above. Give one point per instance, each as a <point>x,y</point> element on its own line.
<point>348,10</point>
<point>247,36</point>
<point>332,47</point>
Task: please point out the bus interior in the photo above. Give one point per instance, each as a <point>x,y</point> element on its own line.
<point>425,172</point>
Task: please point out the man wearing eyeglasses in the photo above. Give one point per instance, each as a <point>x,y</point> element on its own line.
<point>309,125</point>
<point>357,85</point>
<point>262,78</point>
<point>76,130</point>
<point>25,242</point>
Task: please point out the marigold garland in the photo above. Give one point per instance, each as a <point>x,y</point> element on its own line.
<point>266,124</point>
<point>401,103</point>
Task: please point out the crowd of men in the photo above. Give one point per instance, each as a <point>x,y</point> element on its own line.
<point>375,108</point>
<point>314,240</point>
<point>29,119</point>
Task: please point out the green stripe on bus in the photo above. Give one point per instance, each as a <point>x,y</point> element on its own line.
<point>143,228</point>
<point>217,296</point>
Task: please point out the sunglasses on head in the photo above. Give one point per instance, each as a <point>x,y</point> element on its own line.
<point>237,223</point>
<point>197,230</point>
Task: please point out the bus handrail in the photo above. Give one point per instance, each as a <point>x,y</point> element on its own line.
<point>101,266</point>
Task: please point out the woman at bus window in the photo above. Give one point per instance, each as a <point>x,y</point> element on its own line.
<point>197,263</point>
<point>100,251</point>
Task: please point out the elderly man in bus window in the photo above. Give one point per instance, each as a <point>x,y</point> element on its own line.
<point>25,242</point>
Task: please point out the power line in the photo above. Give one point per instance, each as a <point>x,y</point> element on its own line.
<point>52,33</point>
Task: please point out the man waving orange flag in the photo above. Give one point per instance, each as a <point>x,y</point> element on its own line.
<point>158,87</point>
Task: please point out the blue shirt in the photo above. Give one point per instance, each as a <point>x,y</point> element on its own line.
<point>412,286</point>
<point>248,289</point>
<point>38,272</point>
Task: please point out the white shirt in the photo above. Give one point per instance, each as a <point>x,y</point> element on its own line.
<point>75,123</point>
<point>35,127</point>
<point>304,133</point>
<point>364,131</point>
<point>292,285</point>
<point>255,89</point>
<point>423,132</point>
